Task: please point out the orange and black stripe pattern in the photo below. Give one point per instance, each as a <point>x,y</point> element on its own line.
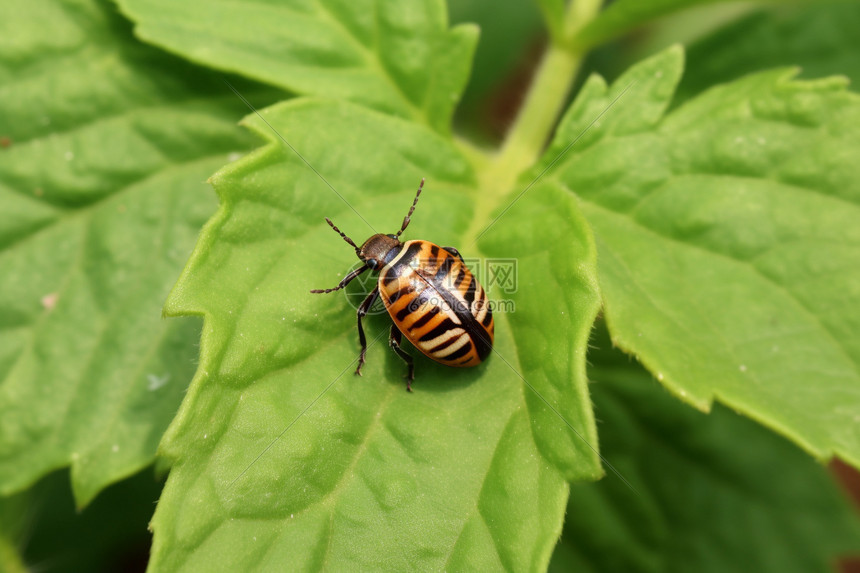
<point>437,303</point>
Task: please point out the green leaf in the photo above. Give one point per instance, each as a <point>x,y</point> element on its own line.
<point>396,57</point>
<point>715,493</point>
<point>624,15</point>
<point>820,39</point>
<point>101,197</point>
<point>728,243</point>
<point>283,458</point>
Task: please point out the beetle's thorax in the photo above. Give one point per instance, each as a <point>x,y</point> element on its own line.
<point>379,248</point>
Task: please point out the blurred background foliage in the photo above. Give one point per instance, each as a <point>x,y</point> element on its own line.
<point>724,41</point>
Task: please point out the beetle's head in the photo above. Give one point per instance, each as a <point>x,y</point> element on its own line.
<point>379,249</point>
<point>376,249</point>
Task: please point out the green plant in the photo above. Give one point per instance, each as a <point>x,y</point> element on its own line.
<point>715,230</point>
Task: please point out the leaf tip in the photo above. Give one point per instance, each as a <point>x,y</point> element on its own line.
<point>671,60</point>
<point>676,50</point>
<point>466,31</point>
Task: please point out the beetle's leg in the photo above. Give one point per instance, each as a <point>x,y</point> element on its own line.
<point>363,309</point>
<point>346,280</point>
<point>454,252</point>
<point>394,339</point>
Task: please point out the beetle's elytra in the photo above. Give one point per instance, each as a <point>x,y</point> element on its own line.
<point>430,294</point>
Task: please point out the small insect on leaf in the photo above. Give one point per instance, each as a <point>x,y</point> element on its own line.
<point>431,295</point>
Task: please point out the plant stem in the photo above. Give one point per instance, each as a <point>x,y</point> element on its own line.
<point>537,116</point>
<point>542,105</point>
<point>579,15</point>
<point>548,92</point>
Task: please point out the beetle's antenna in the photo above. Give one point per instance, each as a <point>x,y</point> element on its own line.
<point>339,232</point>
<point>411,210</point>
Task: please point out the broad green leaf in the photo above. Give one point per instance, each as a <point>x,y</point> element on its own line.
<point>728,242</point>
<point>397,57</point>
<point>624,15</point>
<point>822,39</point>
<point>102,194</point>
<point>283,458</point>
<point>715,492</point>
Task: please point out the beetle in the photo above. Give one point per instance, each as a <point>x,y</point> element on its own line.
<point>431,295</point>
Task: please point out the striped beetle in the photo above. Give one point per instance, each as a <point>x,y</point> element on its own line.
<point>430,294</point>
